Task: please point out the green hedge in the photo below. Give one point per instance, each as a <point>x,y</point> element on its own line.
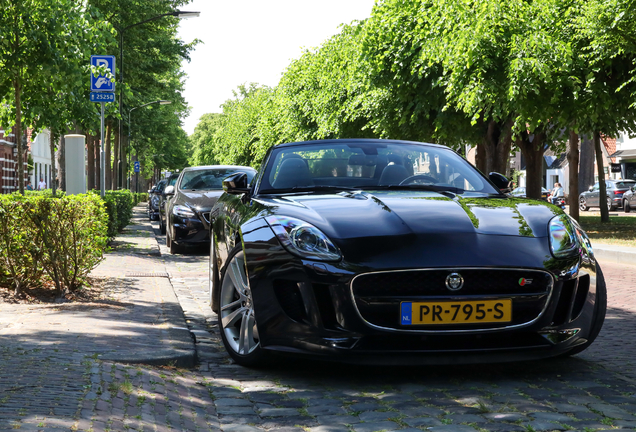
<point>60,239</point>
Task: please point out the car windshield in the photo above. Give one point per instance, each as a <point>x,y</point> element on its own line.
<point>373,165</point>
<point>209,179</point>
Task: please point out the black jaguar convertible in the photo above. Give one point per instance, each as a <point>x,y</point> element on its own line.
<point>381,251</point>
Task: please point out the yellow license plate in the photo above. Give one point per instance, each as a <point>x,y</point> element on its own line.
<point>456,312</point>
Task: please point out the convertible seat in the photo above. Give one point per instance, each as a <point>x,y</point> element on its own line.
<point>393,175</point>
<point>293,172</point>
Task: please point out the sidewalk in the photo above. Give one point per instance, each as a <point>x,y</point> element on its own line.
<point>141,321</point>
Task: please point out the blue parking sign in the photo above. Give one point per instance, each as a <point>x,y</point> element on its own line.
<point>137,166</point>
<point>101,83</point>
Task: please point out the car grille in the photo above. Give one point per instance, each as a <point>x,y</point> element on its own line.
<point>378,296</point>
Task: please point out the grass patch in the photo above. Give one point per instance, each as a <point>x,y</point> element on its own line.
<point>619,231</point>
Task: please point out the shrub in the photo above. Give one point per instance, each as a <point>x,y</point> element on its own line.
<point>61,237</point>
<point>20,254</point>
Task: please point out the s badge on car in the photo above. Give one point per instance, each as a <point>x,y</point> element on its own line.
<point>454,281</point>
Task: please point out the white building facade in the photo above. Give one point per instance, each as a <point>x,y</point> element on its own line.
<point>41,154</point>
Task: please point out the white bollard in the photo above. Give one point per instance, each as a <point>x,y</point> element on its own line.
<point>75,154</point>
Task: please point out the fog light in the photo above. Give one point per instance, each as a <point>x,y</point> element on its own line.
<point>559,336</point>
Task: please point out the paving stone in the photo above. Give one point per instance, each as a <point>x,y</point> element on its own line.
<point>325,410</point>
<point>452,428</point>
<point>375,416</point>
<point>612,411</point>
<point>240,428</point>
<point>278,412</point>
<point>374,426</point>
<point>337,419</point>
<point>366,406</point>
<point>541,425</point>
<point>466,418</point>
<point>508,417</point>
<point>547,416</point>
<point>422,422</point>
<point>329,428</point>
<point>502,427</point>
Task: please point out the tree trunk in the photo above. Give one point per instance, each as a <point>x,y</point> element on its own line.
<point>98,165</point>
<point>53,170</point>
<point>502,151</point>
<point>602,193</point>
<point>124,162</point>
<point>586,164</point>
<point>18,132</point>
<point>108,174</point>
<point>90,153</point>
<point>116,162</point>
<point>480,158</point>
<point>496,147</point>
<point>573,178</point>
<point>533,153</point>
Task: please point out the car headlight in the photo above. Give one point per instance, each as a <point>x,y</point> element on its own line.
<point>303,239</point>
<point>182,211</point>
<point>562,237</point>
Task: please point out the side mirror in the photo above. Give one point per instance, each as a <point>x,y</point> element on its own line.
<point>236,184</point>
<point>169,190</point>
<point>501,181</point>
<point>591,188</point>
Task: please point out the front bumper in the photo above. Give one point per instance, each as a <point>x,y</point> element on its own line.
<point>309,308</point>
<point>188,230</point>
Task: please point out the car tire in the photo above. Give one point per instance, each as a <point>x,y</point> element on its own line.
<point>236,319</point>
<point>626,207</point>
<point>610,205</point>
<point>174,248</point>
<point>583,204</point>
<point>162,226</point>
<point>600,309</point>
<point>213,280</point>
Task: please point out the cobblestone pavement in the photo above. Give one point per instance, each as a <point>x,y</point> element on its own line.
<point>591,392</point>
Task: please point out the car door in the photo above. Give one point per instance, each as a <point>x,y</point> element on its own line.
<point>592,196</point>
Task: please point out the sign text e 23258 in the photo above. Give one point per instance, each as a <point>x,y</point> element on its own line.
<point>102,97</point>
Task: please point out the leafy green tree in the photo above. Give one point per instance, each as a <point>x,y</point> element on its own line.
<point>43,46</point>
<point>202,140</point>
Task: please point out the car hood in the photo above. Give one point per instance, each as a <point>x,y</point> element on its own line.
<point>390,213</point>
<point>201,201</point>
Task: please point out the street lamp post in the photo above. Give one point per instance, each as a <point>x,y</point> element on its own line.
<point>178,14</point>
<point>160,102</point>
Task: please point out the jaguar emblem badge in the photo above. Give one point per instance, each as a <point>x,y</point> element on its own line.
<point>454,281</point>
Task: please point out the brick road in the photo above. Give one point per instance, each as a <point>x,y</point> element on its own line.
<point>74,391</point>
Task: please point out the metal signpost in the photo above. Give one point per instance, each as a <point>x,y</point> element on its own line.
<point>102,91</point>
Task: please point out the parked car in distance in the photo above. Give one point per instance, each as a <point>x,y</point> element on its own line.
<point>615,190</point>
<point>629,199</point>
<point>520,192</point>
<point>171,180</point>
<point>193,195</point>
<point>384,251</point>
<point>154,198</point>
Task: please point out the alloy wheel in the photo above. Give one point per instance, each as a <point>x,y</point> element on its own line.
<point>236,309</point>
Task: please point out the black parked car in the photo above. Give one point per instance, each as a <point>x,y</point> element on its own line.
<point>154,198</point>
<point>192,198</point>
<point>390,251</point>
<point>629,199</point>
<point>615,190</point>
<point>171,180</point>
